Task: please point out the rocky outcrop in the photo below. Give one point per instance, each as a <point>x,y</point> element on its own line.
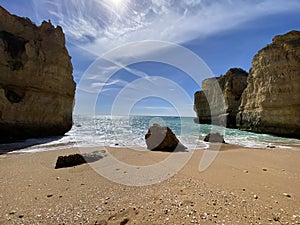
<point>36,84</point>
<point>220,98</point>
<point>271,101</point>
<point>161,138</point>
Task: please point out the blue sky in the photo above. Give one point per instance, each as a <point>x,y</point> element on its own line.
<point>116,76</point>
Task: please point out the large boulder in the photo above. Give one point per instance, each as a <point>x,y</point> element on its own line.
<point>162,138</point>
<point>220,98</point>
<point>271,101</point>
<point>36,83</point>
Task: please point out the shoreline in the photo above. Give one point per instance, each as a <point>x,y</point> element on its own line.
<point>27,146</point>
<point>241,186</point>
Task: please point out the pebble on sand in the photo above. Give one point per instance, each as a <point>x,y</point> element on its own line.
<point>287,195</point>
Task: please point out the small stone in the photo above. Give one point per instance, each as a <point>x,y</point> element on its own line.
<point>203,216</point>
<point>12,212</point>
<point>21,216</point>
<point>276,217</point>
<point>49,196</point>
<point>287,195</point>
<point>125,221</point>
<point>246,171</point>
<point>265,169</point>
<point>255,196</point>
<point>57,178</point>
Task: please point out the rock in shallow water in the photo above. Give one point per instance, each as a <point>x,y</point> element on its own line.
<point>214,138</point>
<point>162,138</point>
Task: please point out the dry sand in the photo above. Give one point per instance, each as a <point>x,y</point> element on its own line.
<point>241,186</point>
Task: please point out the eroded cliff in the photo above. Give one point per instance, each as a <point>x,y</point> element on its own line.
<point>220,98</point>
<point>271,101</point>
<point>36,83</point>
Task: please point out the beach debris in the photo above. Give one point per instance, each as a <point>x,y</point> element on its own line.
<point>49,196</point>
<point>271,146</point>
<point>162,138</point>
<point>78,159</point>
<point>264,169</point>
<point>287,195</point>
<point>245,171</point>
<point>255,196</point>
<point>214,138</point>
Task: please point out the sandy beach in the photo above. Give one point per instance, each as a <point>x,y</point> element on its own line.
<point>241,186</point>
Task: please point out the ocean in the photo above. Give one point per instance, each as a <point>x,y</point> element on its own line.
<point>129,131</point>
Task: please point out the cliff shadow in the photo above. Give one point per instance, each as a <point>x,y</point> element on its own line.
<point>17,145</point>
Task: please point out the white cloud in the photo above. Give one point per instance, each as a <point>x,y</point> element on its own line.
<point>98,25</point>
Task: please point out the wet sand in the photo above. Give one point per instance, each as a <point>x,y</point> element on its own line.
<point>241,186</point>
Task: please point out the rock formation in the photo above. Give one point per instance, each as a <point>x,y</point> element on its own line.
<point>271,101</point>
<point>160,138</point>
<point>220,98</point>
<point>36,84</point>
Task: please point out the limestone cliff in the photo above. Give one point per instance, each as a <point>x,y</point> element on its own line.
<point>271,101</point>
<point>220,98</point>
<point>36,84</point>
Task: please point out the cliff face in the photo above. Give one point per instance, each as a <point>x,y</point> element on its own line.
<point>271,101</point>
<point>220,98</point>
<point>36,84</point>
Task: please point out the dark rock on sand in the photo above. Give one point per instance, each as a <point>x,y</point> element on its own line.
<point>162,138</point>
<point>78,159</point>
<point>69,161</point>
<point>214,138</point>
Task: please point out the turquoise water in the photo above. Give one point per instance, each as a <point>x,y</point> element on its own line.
<point>125,131</point>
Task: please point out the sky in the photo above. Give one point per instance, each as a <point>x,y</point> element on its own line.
<point>149,57</point>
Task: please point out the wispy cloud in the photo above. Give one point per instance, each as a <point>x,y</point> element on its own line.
<point>98,25</point>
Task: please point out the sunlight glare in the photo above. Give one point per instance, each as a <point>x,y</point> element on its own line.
<point>119,6</point>
<point>117,3</point>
